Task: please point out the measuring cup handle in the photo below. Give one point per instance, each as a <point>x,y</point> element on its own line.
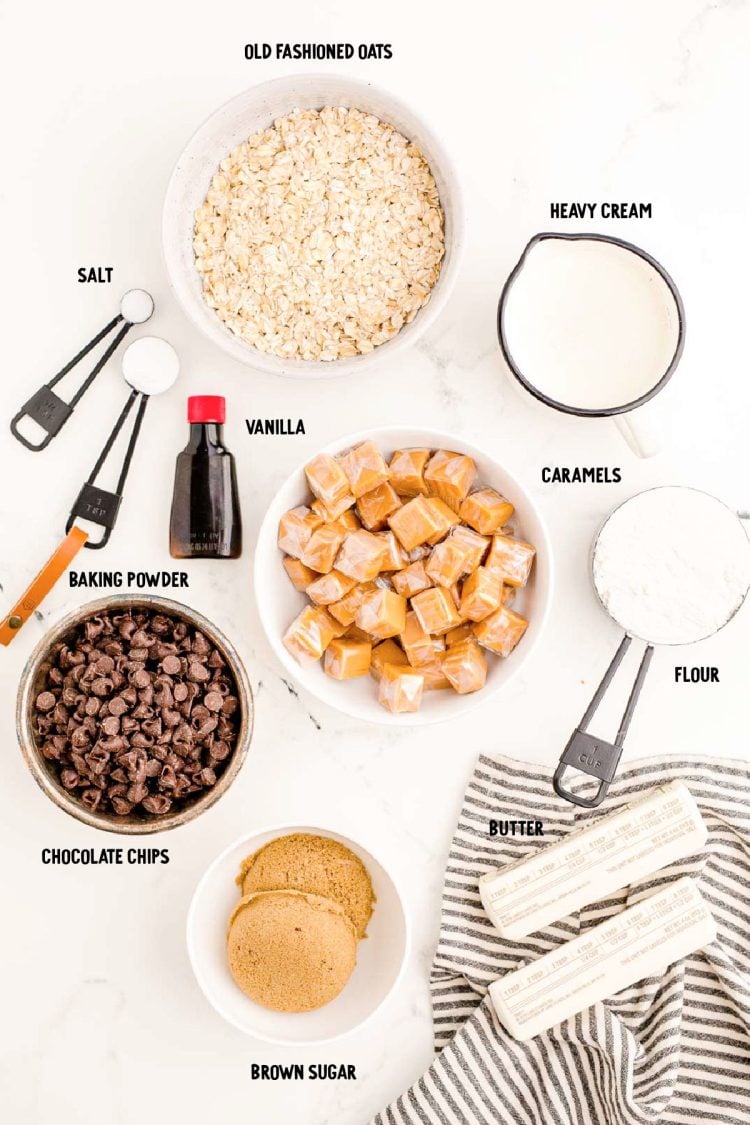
<point>576,798</point>
<point>593,756</point>
<point>641,433</point>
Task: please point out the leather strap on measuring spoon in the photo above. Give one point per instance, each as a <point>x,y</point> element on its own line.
<point>37,591</point>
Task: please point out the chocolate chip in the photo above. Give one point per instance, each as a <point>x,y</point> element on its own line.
<point>101,686</point>
<point>157,804</point>
<point>133,704</point>
<point>121,806</point>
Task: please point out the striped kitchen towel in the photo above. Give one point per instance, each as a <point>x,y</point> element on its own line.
<point>670,1049</point>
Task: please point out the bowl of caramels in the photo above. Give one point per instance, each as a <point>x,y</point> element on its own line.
<point>403,576</point>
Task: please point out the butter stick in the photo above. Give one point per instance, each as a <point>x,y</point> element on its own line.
<point>611,852</point>
<point>640,942</point>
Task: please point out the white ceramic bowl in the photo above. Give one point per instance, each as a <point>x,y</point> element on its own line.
<point>381,956</point>
<point>233,123</point>
<point>279,603</point>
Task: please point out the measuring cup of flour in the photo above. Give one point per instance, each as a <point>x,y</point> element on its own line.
<point>671,566</point>
<point>592,326</point>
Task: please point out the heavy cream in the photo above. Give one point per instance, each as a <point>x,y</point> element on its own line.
<point>589,323</point>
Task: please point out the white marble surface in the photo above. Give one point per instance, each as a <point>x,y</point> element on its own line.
<point>104,1024</point>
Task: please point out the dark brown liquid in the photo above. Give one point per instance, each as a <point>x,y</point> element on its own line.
<point>205,521</point>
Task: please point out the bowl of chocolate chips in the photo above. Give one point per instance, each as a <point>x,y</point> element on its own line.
<point>134,714</point>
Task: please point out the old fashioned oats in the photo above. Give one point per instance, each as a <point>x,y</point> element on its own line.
<point>321,236</point>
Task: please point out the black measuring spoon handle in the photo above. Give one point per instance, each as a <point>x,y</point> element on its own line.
<point>98,505</point>
<point>46,408</point>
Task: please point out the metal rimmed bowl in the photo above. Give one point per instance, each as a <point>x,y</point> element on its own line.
<point>133,824</point>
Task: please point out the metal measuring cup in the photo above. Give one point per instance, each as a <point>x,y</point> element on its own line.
<point>587,753</point>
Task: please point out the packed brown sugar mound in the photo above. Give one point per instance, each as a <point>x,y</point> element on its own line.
<point>316,865</point>
<point>290,951</point>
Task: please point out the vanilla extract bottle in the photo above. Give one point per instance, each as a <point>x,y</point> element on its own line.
<point>205,522</point>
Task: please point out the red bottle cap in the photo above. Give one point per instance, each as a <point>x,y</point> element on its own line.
<point>207,408</point>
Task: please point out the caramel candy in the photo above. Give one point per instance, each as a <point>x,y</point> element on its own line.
<point>295,529</point>
<point>444,516</point>
<point>419,554</point>
<point>501,631</point>
<point>474,545</point>
<point>345,659</point>
<point>329,484</point>
<point>407,471</point>
<point>361,556</point>
<point>485,510</point>
<point>435,678</point>
<point>415,523</point>
<point>416,643</point>
<point>331,587</point>
<point>465,666</point>
<point>436,610</point>
<point>511,559</point>
<point>382,614</point>
<point>346,610</point>
<point>460,633</point>
<point>387,652</point>
<point>354,633</point>
<point>323,546</point>
<point>481,594</point>
<point>375,506</point>
<point>450,476</point>
<point>364,468</point>
<point>411,580</point>
<point>299,575</point>
<point>395,556</point>
<point>400,688</point>
<point>347,519</point>
<point>310,634</point>
<point>447,562</point>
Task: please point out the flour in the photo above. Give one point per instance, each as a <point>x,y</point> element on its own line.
<point>672,565</point>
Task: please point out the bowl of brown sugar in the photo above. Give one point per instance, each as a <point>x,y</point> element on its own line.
<point>134,714</point>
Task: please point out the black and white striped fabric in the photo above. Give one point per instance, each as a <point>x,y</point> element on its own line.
<point>672,1049</point>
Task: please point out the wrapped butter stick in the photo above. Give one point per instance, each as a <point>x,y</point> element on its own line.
<point>611,852</point>
<point>642,941</point>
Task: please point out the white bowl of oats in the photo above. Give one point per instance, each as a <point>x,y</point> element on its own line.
<point>312,226</point>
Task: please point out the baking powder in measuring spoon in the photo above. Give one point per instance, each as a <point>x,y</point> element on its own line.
<point>672,565</point>
<point>590,324</point>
